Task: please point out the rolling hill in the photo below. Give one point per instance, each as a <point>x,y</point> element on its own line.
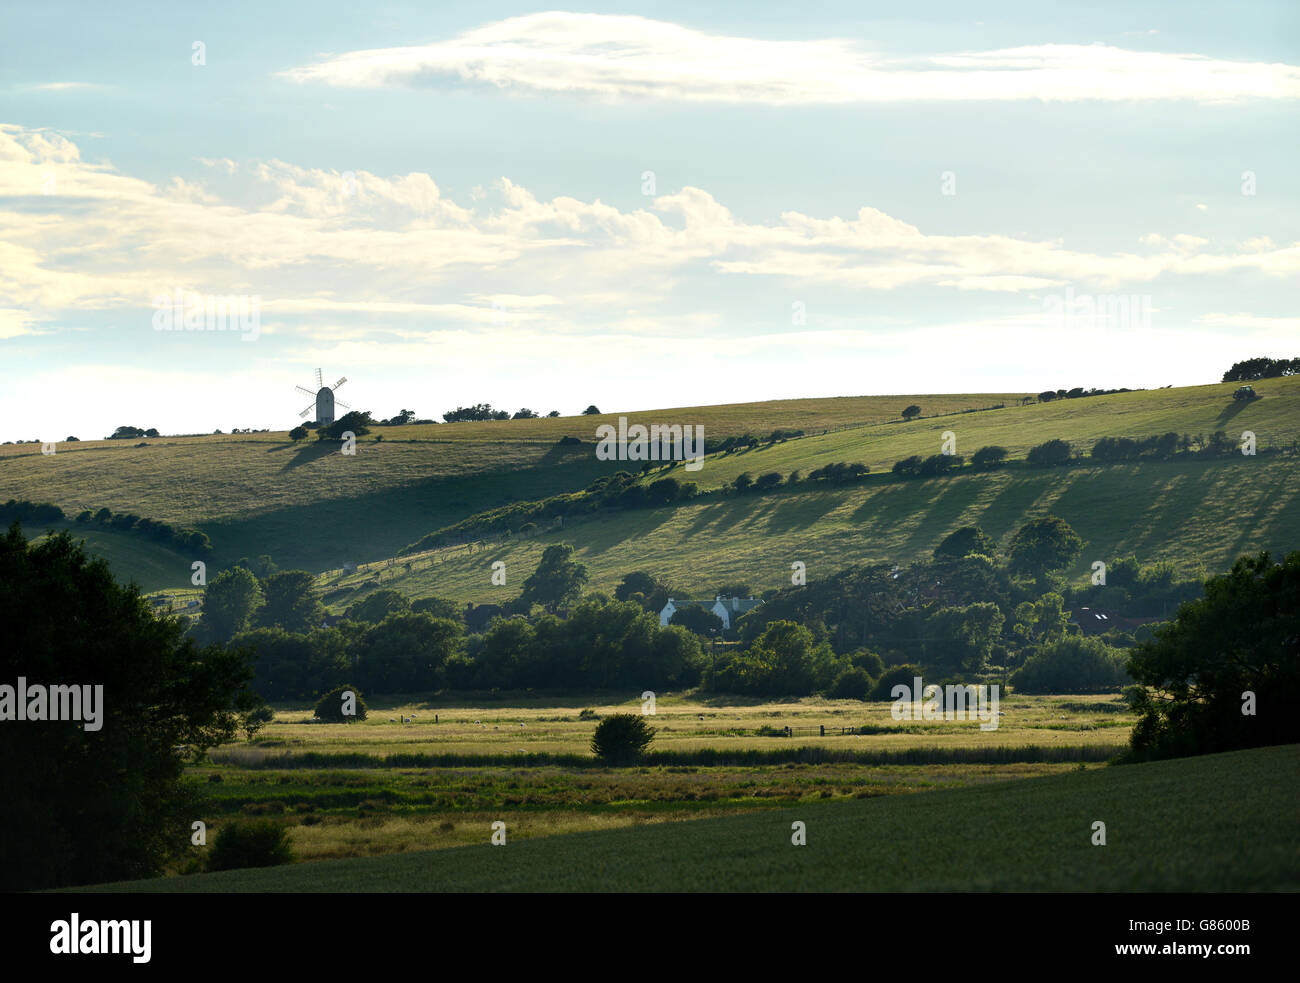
<point>309,506</point>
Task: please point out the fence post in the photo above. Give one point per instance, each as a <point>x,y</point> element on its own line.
<point>823,734</point>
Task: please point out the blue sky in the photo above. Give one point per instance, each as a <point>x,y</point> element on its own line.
<point>450,204</point>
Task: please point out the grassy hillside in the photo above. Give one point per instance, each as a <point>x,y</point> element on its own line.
<point>1193,513</point>
<point>309,506</point>
<point>1165,831</point>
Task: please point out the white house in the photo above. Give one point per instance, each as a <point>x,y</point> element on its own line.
<point>725,608</point>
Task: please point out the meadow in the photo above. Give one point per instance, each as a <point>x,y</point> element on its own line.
<point>374,786</point>
<point>1165,824</point>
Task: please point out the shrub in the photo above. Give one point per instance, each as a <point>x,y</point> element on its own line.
<point>622,738</point>
<point>965,541</point>
<point>1052,453</point>
<point>911,412</point>
<point>851,684</point>
<point>330,706</point>
<point>987,458</point>
<point>256,843</point>
<point>872,664</point>
<point>937,464</point>
<point>1073,665</point>
<point>769,480</point>
<point>894,676</point>
<point>909,466</point>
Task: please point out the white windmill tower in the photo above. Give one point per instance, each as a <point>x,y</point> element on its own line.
<point>325,401</point>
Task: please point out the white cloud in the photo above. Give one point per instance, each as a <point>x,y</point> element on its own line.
<point>617,56</point>
<point>368,246</point>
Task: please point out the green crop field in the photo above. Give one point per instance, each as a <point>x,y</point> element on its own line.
<point>1166,829</point>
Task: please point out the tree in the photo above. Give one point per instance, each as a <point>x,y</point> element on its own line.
<point>377,606</point>
<point>406,652</point>
<point>525,414</point>
<point>911,412</point>
<point>86,806</point>
<point>743,481</point>
<point>696,618</point>
<point>1047,395</point>
<point>636,582</point>
<point>1043,621</point>
<point>329,707</point>
<point>553,413</point>
<point>961,638</point>
<point>988,458</point>
<point>1051,453</point>
<point>1225,673</point>
<point>1261,368</point>
<point>438,607</point>
<point>851,684</point>
<point>261,568</point>
<point>767,481</point>
<point>591,411</point>
<point>1072,665</point>
<point>964,542</point>
<point>291,601</point>
<point>297,434</point>
<point>557,580</point>
<point>229,601</point>
<point>356,421</point>
<point>622,738</point>
<point>1042,545</point>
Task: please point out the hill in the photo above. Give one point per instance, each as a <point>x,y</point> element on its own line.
<point>1166,830</point>
<point>309,506</point>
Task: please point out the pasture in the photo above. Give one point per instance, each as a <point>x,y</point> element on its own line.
<point>1166,830</point>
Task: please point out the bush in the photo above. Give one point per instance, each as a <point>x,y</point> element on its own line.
<point>1073,665</point>
<point>987,458</point>
<point>908,467</point>
<point>894,676</point>
<point>256,843</point>
<point>622,738</point>
<point>851,684</point>
<point>1053,453</point>
<point>872,664</point>
<point>965,541</point>
<point>330,706</point>
<point>770,480</point>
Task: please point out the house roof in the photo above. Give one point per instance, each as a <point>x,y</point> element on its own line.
<point>1098,621</point>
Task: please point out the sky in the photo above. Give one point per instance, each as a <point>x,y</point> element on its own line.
<point>632,206</point>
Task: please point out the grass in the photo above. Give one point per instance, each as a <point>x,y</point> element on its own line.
<point>258,493</point>
<point>1166,830</point>
<point>1199,515</point>
<point>684,724</point>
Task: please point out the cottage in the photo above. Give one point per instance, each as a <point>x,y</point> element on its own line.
<point>1098,621</point>
<point>727,609</point>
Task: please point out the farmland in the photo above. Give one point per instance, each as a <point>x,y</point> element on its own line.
<point>259,493</point>
<point>1166,830</point>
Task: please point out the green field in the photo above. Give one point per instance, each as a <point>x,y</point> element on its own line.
<point>1216,823</point>
<point>309,506</point>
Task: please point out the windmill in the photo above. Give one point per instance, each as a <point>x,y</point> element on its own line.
<point>325,401</point>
